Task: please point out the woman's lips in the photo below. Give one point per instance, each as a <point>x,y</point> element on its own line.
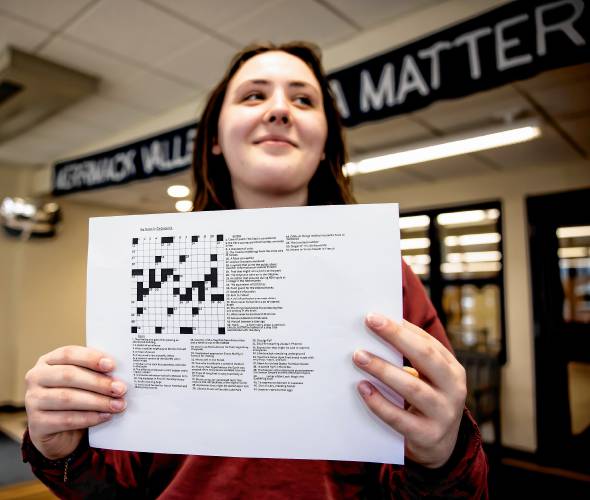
<point>275,141</point>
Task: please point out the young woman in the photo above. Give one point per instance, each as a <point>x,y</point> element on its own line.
<point>270,136</point>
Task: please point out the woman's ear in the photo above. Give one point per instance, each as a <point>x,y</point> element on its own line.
<point>216,149</point>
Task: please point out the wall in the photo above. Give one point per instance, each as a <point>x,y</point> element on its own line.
<point>12,183</point>
<point>511,187</point>
<point>42,297</point>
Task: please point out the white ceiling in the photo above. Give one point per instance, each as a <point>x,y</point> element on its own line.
<point>155,55</point>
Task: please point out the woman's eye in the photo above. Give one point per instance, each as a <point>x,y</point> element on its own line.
<point>302,99</point>
<point>253,96</point>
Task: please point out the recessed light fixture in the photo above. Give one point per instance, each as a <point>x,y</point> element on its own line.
<point>452,146</point>
<point>184,205</point>
<point>467,217</point>
<point>414,222</point>
<point>178,191</point>
<point>472,239</point>
<point>573,232</point>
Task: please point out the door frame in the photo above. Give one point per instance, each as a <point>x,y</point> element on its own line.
<point>555,342</point>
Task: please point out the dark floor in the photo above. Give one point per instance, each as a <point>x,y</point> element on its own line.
<point>522,481</point>
<point>12,468</point>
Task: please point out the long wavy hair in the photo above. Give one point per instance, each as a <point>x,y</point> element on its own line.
<point>213,188</point>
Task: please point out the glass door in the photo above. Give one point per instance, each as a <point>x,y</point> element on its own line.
<point>559,228</point>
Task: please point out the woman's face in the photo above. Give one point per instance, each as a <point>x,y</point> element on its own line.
<point>272,127</point>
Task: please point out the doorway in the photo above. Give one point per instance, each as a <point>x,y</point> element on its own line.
<point>559,232</point>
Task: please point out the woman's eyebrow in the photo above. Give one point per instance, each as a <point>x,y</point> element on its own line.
<point>293,84</point>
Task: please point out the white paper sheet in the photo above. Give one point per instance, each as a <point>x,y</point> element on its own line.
<point>259,365</point>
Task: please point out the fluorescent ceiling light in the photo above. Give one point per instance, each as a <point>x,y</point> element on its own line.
<point>573,232</point>
<point>467,217</point>
<point>414,222</point>
<point>420,259</point>
<point>178,191</point>
<point>419,269</point>
<point>474,256</point>
<point>470,267</point>
<point>472,239</point>
<point>414,243</point>
<point>572,252</point>
<point>452,146</point>
<point>184,205</point>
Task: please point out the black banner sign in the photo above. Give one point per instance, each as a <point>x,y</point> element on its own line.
<point>163,154</point>
<point>513,42</point>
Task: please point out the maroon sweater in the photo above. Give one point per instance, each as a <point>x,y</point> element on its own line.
<point>102,474</point>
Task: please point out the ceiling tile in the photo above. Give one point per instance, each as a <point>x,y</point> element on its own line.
<point>52,14</point>
<point>394,177</point>
<point>88,59</point>
<point>370,13</point>
<point>67,133</point>
<point>483,109</point>
<point>287,20</point>
<point>30,149</point>
<point>133,29</point>
<point>105,114</point>
<point>550,148</point>
<point>579,130</point>
<point>557,77</point>
<point>211,13</point>
<point>564,100</point>
<point>151,92</point>
<point>385,134</point>
<point>202,62</point>
<point>21,35</point>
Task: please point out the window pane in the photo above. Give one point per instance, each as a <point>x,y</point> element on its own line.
<point>470,244</point>
<point>473,316</point>
<point>415,244</point>
<point>574,267</point>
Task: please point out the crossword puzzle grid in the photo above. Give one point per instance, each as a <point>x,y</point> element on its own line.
<point>177,284</point>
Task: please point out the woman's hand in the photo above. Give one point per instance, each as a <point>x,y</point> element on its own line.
<point>69,390</point>
<point>436,398</point>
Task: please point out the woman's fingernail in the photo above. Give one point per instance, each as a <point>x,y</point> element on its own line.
<point>118,388</point>
<point>118,404</point>
<point>362,358</point>
<point>106,364</point>
<point>376,320</point>
<point>365,389</point>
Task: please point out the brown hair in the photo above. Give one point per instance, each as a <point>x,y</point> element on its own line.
<point>213,189</point>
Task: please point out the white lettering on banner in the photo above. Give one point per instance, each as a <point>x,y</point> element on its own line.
<point>374,98</point>
<point>567,26</point>
<point>502,44</point>
<point>410,79</point>
<point>341,103</point>
<point>470,38</point>
<point>95,172</point>
<point>159,157</point>
<point>432,53</point>
<point>190,140</point>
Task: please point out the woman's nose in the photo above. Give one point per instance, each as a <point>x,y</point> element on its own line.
<point>278,111</point>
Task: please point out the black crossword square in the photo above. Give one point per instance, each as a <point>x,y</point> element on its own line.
<point>221,330</point>
<point>195,311</point>
<point>213,257</point>
<point>177,277</point>
<point>170,310</point>
<point>140,310</point>
<point>135,241</point>
<point>220,237</point>
<point>158,329</point>
<point>133,329</point>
